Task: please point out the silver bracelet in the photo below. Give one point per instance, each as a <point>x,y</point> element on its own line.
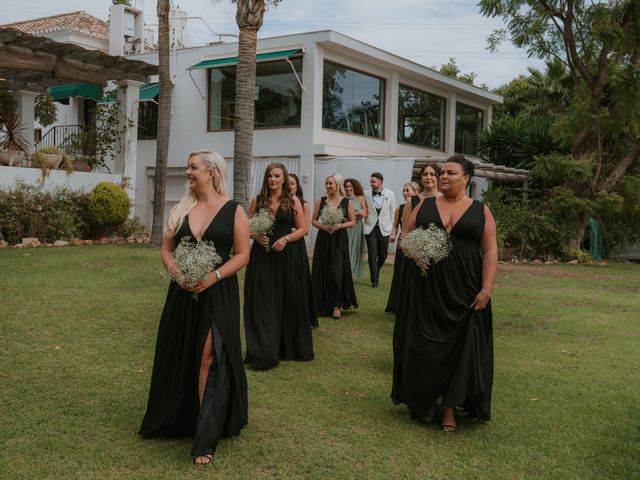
<point>486,291</point>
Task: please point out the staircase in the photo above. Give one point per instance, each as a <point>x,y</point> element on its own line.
<point>59,136</point>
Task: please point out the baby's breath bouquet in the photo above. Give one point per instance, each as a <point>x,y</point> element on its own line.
<point>426,246</point>
<point>195,261</point>
<point>331,215</point>
<point>262,223</point>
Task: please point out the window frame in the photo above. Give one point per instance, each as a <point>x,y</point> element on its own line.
<point>383,100</point>
<point>443,123</point>
<point>299,55</point>
<point>482,125</point>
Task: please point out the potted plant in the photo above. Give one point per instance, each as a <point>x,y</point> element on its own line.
<point>50,158</point>
<point>13,142</point>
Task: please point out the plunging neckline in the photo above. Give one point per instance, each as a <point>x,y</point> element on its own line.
<point>208,225</point>
<point>435,204</point>
<point>326,201</point>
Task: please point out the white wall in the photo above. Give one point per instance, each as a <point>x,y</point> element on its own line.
<point>396,172</point>
<point>83,181</point>
<point>310,140</point>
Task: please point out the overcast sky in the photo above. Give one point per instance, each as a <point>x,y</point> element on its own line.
<point>426,31</point>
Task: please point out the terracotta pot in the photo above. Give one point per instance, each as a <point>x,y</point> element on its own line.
<point>11,157</point>
<point>80,166</point>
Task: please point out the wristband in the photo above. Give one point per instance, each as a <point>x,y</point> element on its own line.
<point>486,292</point>
<point>218,275</point>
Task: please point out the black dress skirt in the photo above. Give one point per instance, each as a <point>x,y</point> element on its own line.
<point>331,269</point>
<point>306,285</point>
<point>397,281</point>
<point>173,408</point>
<point>443,348</point>
<point>277,315</point>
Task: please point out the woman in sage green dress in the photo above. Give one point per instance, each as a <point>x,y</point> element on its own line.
<point>355,194</point>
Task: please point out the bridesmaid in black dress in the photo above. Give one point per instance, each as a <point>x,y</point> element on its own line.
<point>428,176</point>
<point>277,318</point>
<point>409,190</point>
<point>198,384</point>
<point>301,245</point>
<point>331,268</point>
<point>445,357</point>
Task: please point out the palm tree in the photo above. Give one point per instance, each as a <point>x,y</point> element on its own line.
<point>164,121</point>
<point>249,17</point>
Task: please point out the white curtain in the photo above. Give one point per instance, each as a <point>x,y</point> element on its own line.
<point>259,165</point>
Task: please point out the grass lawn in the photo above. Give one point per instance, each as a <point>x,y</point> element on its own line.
<point>78,327</point>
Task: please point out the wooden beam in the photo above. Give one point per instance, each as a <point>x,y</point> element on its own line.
<point>15,86</point>
<point>16,58</point>
<point>22,54</point>
<point>22,59</point>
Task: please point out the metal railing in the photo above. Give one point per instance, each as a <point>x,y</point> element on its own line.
<point>59,136</point>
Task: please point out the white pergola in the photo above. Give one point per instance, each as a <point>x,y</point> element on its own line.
<point>30,65</point>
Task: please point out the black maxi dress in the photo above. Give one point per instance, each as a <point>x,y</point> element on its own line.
<point>395,292</point>
<point>443,349</point>
<point>277,315</point>
<point>331,268</point>
<point>301,246</point>
<point>173,408</point>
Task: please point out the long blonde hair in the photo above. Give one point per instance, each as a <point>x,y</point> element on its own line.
<point>215,163</point>
<point>339,179</point>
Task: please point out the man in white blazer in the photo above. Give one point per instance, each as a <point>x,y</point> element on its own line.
<point>381,203</point>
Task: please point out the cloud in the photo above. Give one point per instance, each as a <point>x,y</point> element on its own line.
<point>428,33</point>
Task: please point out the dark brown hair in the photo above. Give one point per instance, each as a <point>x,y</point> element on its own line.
<point>378,175</point>
<point>299,192</point>
<point>467,165</point>
<point>286,199</point>
<point>436,168</point>
<point>357,186</point>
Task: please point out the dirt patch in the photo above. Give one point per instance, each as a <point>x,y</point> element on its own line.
<point>559,271</point>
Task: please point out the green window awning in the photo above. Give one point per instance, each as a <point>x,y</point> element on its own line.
<point>261,57</point>
<point>85,90</point>
<point>149,91</point>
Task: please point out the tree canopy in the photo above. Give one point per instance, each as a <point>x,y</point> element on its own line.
<point>590,91</point>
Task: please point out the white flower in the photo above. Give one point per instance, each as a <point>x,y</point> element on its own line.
<point>195,260</point>
<point>262,222</point>
<point>331,215</point>
<point>426,246</point>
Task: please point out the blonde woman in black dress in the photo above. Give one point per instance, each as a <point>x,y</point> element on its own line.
<point>331,269</point>
<point>198,384</point>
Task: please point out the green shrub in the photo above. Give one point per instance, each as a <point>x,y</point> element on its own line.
<point>529,228</point>
<point>582,256</point>
<point>109,207</point>
<point>27,211</point>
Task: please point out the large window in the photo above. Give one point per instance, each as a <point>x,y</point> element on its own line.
<point>278,95</point>
<point>420,118</point>
<point>469,123</point>
<point>352,101</point>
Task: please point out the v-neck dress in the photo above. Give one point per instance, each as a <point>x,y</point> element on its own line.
<point>443,348</point>
<point>173,408</point>
<point>331,268</point>
<point>277,314</point>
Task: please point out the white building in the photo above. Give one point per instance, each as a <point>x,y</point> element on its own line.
<point>325,103</point>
